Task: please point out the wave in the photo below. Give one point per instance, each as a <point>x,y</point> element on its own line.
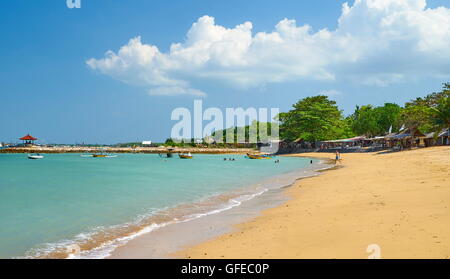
<point>100,242</point>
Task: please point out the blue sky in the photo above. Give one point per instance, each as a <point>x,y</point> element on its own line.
<point>48,89</point>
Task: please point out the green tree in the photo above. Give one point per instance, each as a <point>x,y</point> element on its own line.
<point>440,114</point>
<point>365,121</point>
<point>372,121</point>
<point>388,116</point>
<point>313,119</point>
<point>428,113</point>
<point>261,131</point>
<point>433,99</point>
<point>417,117</point>
<point>169,141</point>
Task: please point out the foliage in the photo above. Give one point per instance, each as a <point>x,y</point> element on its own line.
<point>430,113</point>
<point>317,118</point>
<point>256,132</point>
<point>313,119</point>
<point>417,117</point>
<point>440,114</point>
<point>372,121</point>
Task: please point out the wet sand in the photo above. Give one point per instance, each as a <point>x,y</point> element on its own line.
<point>218,220</point>
<point>399,202</point>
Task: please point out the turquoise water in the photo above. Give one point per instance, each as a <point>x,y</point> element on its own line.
<point>65,198</point>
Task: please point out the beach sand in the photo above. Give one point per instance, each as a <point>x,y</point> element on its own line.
<point>398,201</point>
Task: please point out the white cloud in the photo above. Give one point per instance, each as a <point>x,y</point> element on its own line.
<point>377,42</point>
<point>175,90</point>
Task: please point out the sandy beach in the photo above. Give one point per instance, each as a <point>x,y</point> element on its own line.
<point>397,201</point>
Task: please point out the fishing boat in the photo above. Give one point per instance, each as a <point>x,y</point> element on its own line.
<point>258,156</point>
<point>99,155</point>
<point>35,156</point>
<point>185,155</point>
<point>103,155</point>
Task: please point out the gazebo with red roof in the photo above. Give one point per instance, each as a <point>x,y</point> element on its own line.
<point>28,139</point>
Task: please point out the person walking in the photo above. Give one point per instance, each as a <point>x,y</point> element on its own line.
<point>337,157</point>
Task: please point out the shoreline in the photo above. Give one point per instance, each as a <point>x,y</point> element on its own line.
<point>138,150</point>
<point>257,195</point>
<point>166,240</point>
<point>397,201</point>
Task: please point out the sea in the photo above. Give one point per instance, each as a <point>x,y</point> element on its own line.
<point>69,205</point>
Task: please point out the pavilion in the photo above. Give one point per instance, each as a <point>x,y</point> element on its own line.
<point>28,139</point>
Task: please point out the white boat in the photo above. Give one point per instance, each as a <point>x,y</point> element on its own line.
<point>35,156</point>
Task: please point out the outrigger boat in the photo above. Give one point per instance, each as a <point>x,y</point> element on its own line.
<point>102,155</point>
<point>99,155</point>
<point>35,156</point>
<point>258,156</point>
<point>185,156</point>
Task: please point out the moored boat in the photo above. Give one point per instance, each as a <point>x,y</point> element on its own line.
<point>35,156</point>
<point>99,155</point>
<point>102,155</point>
<point>185,156</point>
<point>258,156</point>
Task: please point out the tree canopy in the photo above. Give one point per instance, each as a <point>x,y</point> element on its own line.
<point>313,119</point>
<point>371,121</point>
<point>430,113</point>
<point>318,118</point>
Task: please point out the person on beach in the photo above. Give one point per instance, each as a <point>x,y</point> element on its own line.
<point>337,157</point>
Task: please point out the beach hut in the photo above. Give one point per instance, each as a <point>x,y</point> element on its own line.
<point>437,138</point>
<point>444,137</point>
<point>405,139</point>
<point>349,143</point>
<point>429,139</point>
<point>376,142</point>
<point>28,139</point>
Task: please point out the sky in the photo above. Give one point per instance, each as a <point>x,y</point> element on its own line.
<point>114,70</point>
